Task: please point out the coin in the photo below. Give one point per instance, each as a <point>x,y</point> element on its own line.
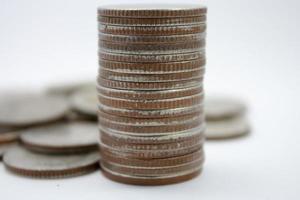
<point>153,162</point>
<point>5,147</point>
<point>153,68</point>
<point>25,110</point>
<point>170,39</point>
<point>8,134</point>
<point>151,147</point>
<point>227,128</point>
<point>129,77</point>
<point>218,108</point>
<point>186,125</point>
<point>161,180</point>
<point>85,101</point>
<point>151,104</point>
<point>153,154</point>
<point>149,85</point>
<point>27,163</point>
<point>152,10</point>
<point>151,30</point>
<point>151,21</point>
<point>148,121</point>
<point>151,113</point>
<point>163,138</point>
<point>149,95</point>
<point>67,89</point>
<point>151,171</point>
<point>151,48</point>
<point>62,137</point>
<point>148,58</point>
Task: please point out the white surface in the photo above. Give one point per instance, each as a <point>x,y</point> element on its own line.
<point>253,52</point>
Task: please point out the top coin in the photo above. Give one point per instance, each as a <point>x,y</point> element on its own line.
<point>25,109</point>
<point>152,10</point>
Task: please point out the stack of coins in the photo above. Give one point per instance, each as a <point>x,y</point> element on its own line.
<point>150,92</point>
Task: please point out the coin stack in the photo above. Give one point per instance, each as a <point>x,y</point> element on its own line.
<point>150,92</point>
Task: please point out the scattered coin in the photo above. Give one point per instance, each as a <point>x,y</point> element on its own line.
<point>5,147</point>
<point>62,137</point>
<point>85,101</point>
<point>67,89</point>
<point>8,134</point>
<point>227,128</point>
<point>218,108</point>
<point>24,110</point>
<point>27,163</point>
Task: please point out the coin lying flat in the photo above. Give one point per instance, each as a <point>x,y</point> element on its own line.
<point>25,110</point>
<point>140,180</point>
<point>148,58</point>
<point>227,128</point>
<point>5,147</point>
<point>68,88</point>
<point>8,134</point>
<point>27,163</point>
<point>152,48</point>
<point>85,101</point>
<point>153,68</point>
<point>170,39</point>
<point>218,108</point>
<point>149,95</point>
<point>62,137</point>
<point>151,21</point>
<point>152,10</point>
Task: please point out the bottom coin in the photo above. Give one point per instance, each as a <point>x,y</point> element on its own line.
<point>27,163</point>
<point>138,180</point>
<point>229,128</point>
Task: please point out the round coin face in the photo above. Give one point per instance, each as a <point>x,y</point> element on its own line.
<point>27,163</point>
<point>229,128</point>
<point>85,101</point>
<point>62,137</point>
<point>25,110</point>
<point>218,108</point>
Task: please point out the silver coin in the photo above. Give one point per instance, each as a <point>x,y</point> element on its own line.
<point>217,108</point>
<point>25,110</point>
<point>68,88</point>
<point>62,137</point>
<point>8,134</point>
<point>6,147</point>
<point>27,163</point>
<point>85,101</point>
<point>229,128</point>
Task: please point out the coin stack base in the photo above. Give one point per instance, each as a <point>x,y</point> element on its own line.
<point>150,92</point>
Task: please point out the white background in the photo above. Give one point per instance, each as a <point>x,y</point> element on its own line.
<point>253,52</point>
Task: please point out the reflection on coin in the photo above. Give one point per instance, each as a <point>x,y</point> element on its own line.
<point>218,108</point>
<point>6,147</point>
<point>25,110</point>
<point>8,134</point>
<point>229,128</point>
<point>85,101</point>
<point>68,88</point>
<point>62,137</point>
<point>27,163</point>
